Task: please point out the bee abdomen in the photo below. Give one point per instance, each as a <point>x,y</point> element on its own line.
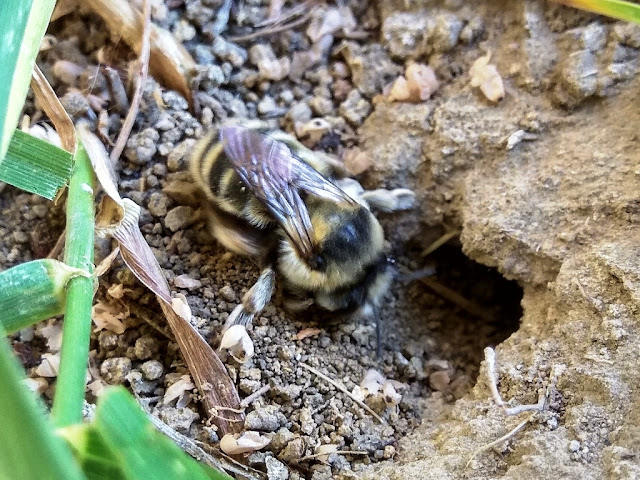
<point>214,174</point>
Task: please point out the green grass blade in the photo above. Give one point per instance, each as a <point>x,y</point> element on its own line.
<point>35,165</point>
<point>28,447</point>
<point>611,8</point>
<point>142,451</point>
<point>97,460</point>
<point>21,31</point>
<point>43,283</point>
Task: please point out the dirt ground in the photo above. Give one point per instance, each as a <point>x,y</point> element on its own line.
<point>542,186</point>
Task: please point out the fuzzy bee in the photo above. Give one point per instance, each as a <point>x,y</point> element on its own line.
<point>295,212</point>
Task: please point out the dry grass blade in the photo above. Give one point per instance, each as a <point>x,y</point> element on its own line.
<point>343,389</point>
<point>272,30</point>
<point>119,218</point>
<point>51,105</point>
<point>139,81</point>
<point>169,62</point>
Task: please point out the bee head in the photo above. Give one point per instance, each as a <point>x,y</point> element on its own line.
<point>346,240</point>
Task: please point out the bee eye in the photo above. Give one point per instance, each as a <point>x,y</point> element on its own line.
<point>318,263</point>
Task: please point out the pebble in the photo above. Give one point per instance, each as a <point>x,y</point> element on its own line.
<point>472,31</point>
<point>355,108</point>
<point>265,419</point>
<point>228,294</point>
<point>114,370</point>
<point>403,33</point>
<point>185,281</point>
<point>439,380</point>
<point>179,218</point>
<point>276,470</point>
<point>75,103</point>
<point>141,147</point>
<point>158,204</point>
<point>293,451</point>
<point>445,33</point>
<point>574,446</point>
<point>145,347</point>
<point>152,369</point>
<point>180,419</point>
<point>281,439</point>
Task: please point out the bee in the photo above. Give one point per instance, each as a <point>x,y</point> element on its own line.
<point>298,214</point>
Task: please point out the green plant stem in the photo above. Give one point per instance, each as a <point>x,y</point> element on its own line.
<point>74,355</point>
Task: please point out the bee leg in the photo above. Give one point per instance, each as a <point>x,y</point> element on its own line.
<point>254,301</point>
<point>389,200</point>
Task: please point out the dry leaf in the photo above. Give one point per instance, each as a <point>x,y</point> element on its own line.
<point>48,100</point>
<point>108,317</point>
<point>169,61</point>
<point>238,342</point>
<point>417,85</point>
<point>53,335</point>
<point>178,389</point>
<point>104,266</point>
<point>206,369</point>
<point>247,442</point>
<point>486,76</point>
<point>117,291</point>
<point>308,332</point>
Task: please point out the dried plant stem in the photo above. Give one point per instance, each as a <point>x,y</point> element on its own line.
<point>139,81</point>
<point>498,441</point>
<point>74,356</point>
<point>343,389</point>
<point>440,242</point>
<point>339,452</point>
<point>457,299</point>
<point>272,30</point>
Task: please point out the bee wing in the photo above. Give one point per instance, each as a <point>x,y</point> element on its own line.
<point>276,176</point>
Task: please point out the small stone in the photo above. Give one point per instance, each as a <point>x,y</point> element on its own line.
<point>594,37</point>
<point>276,470</point>
<point>578,78</point>
<point>299,113</point>
<point>180,419</point>
<point>269,67</point>
<point>281,439</point>
<point>355,108</point>
<point>445,33</point>
<point>158,204</point>
<point>627,33</point>
<point>321,106</point>
<point>179,218</point>
<point>403,33</point>
<point>145,347</point>
<point>439,380</point>
<point>114,370</point>
<point>265,419</point>
<point>185,281</point>
<point>472,31</point>
<point>107,340</point>
<point>389,452</point>
<point>141,147</point>
<point>307,424</point>
<point>228,294</point>
<point>267,105</point>
<point>152,369</point>
<point>75,103</point>
<point>371,68</point>
<point>574,446</point>
<point>293,451</point>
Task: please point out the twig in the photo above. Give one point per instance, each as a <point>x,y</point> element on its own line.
<point>276,18</point>
<point>439,242</point>
<point>340,452</point>
<point>254,396</point>
<point>505,437</point>
<point>457,299</point>
<point>343,389</point>
<point>57,248</point>
<point>139,81</point>
<point>189,446</point>
<point>273,30</point>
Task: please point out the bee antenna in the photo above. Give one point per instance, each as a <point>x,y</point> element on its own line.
<point>404,275</point>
